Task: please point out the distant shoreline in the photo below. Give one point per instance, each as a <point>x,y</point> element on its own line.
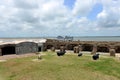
<point>52,37</point>
<point>81,38</point>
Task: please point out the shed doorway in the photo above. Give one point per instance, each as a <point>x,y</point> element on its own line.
<point>39,49</point>
<point>8,50</point>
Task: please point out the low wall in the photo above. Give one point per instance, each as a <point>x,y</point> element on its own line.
<point>101,46</point>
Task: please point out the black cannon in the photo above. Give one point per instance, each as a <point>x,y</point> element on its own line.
<point>95,56</point>
<point>61,53</point>
<point>79,54</point>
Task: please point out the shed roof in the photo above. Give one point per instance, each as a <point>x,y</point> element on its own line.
<point>22,40</point>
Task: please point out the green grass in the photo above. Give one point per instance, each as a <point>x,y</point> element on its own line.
<point>67,67</point>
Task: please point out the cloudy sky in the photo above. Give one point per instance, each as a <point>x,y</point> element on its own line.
<point>34,18</point>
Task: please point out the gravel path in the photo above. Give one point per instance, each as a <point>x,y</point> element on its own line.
<point>6,57</point>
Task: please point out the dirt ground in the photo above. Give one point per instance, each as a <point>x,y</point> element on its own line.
<point>6,57</point>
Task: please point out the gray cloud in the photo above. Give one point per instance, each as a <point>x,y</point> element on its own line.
<point>82,8</point>
<point>26,4</point>
<point>26,16</point>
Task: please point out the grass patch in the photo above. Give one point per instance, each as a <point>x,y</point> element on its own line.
<point>67,67</point>
<point>107,66</point>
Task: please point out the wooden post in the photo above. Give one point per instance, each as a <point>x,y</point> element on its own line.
<point>94,49</point>
<point>53,49</point>
<point>0,52</point>
<point>62,48</point>
<point>80,48</point>
<point>76,49</point>
<point>112,52</point>
<point>39,56</point>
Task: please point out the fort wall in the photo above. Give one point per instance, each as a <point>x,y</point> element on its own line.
<point>97,46</point>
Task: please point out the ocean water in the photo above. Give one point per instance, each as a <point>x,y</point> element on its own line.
<point>97,38</point>
<point>107,38</point>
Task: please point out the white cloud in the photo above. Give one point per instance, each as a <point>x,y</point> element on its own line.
<point>110,15</point>
<point>82,8</point>
<point>52,17</point>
